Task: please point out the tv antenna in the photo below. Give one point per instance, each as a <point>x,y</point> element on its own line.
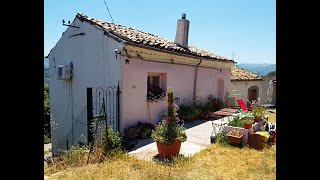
<point>63,23</point>
<point>233,55</point>
<point>108,11</point>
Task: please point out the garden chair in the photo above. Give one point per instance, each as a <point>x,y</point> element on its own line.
<point>242,108</point>
<point>240,103</point>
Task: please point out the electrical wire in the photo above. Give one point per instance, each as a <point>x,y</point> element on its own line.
<point>108,11</point>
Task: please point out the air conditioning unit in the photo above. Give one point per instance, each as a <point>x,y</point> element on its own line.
<point>64,72</point>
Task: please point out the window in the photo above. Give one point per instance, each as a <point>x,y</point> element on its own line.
<point>153,81</point>
<point>156,85</point>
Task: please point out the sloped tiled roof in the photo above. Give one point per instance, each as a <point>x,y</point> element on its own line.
<point>142,38</point>
<point>240,74</point>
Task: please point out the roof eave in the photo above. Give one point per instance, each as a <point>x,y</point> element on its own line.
<point>176,53</point>
<point>246,79</point>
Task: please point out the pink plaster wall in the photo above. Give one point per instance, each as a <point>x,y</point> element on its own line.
<point>179,77</point>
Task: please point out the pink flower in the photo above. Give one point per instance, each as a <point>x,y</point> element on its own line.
<point>177,119</point>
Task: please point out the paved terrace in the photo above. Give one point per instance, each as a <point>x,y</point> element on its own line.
<point>198,133</point>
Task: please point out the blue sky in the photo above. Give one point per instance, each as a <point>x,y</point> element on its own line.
<point>246,27</point>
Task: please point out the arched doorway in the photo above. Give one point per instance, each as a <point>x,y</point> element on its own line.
<point>253,93</point>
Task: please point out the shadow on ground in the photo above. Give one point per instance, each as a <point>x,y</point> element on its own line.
<point>194,123</point>
<point>143,142</point>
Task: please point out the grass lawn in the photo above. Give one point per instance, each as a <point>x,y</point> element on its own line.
<point>272,117</point>
<point>215,162</point>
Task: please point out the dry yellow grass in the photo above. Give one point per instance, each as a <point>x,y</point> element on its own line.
<point>215,162</point>
<point>271,117</point>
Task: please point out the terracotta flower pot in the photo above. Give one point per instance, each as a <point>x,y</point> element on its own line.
<point>206,116</point>
<point>258,119</point>
<point>247,126</point>
<point>234,140</point>
<point>169,151</point>
<point>235,137</point>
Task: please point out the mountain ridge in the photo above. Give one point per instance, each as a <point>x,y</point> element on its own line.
<point>261,69</point>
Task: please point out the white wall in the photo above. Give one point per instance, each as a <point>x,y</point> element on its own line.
<point>179,77</point>
<point>94,65</point>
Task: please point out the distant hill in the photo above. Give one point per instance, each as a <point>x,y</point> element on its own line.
<point>46,75</point>
<point>260,69</point>
<point>46,63</point>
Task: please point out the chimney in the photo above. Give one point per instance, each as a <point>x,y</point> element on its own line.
<point>182,32</point>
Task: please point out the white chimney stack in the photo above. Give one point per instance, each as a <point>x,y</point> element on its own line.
<point>182,31</point>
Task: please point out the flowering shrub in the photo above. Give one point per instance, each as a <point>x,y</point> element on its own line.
<point>215,104</point>
<point>258,111</point>
<point>169,128</point>
<point>155,93</point>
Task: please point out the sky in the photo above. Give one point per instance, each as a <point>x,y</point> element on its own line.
<point>241,30</point>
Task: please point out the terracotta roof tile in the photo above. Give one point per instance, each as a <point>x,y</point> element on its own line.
<point>240,74</point>
<point>139,37</point>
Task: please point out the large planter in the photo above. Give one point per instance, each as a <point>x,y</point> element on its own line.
<point>169,151</point>
<point>234,139</point>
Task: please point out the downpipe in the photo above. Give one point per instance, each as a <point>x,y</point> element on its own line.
<point>195,80</point>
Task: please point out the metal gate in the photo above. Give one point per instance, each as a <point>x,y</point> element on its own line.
<point>103,105</point>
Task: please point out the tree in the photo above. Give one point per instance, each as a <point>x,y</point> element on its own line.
<point>272,73</point>
<point>46,110</point>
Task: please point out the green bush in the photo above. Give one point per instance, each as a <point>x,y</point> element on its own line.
<point>236,122</point>
<point>114,140</point>
<point>215,104</point>
<point>46,139</point>
<point>189,111</point>
<point>222,138</point>
<point>258,111</point>
<point>46,112</point>
<point>272,73</point>
<point>132,132</point>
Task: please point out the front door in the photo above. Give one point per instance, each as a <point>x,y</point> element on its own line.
<point>253,93</point>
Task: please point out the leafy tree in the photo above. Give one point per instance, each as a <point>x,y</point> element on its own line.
<point>46,110</point>
<point>272,73</point>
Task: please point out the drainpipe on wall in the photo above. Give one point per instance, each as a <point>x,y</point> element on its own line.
<point>195,81</point>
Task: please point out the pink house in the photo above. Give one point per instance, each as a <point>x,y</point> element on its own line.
<point>103,54</point>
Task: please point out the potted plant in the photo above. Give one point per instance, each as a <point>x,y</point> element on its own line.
<point>235,137</point>
<point>169,133</point>
<point>145,133</point>
<point>155,93</point>
<point>247,122</point>
<point>258,112</point>
<point>183,112</point>
<point>205,111</point>
<point>132,132</point>
<point>215,103</point>
<point>236,122</point>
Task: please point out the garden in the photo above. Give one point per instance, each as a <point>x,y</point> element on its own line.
<point>253,130</point>
<point>108,158</point>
